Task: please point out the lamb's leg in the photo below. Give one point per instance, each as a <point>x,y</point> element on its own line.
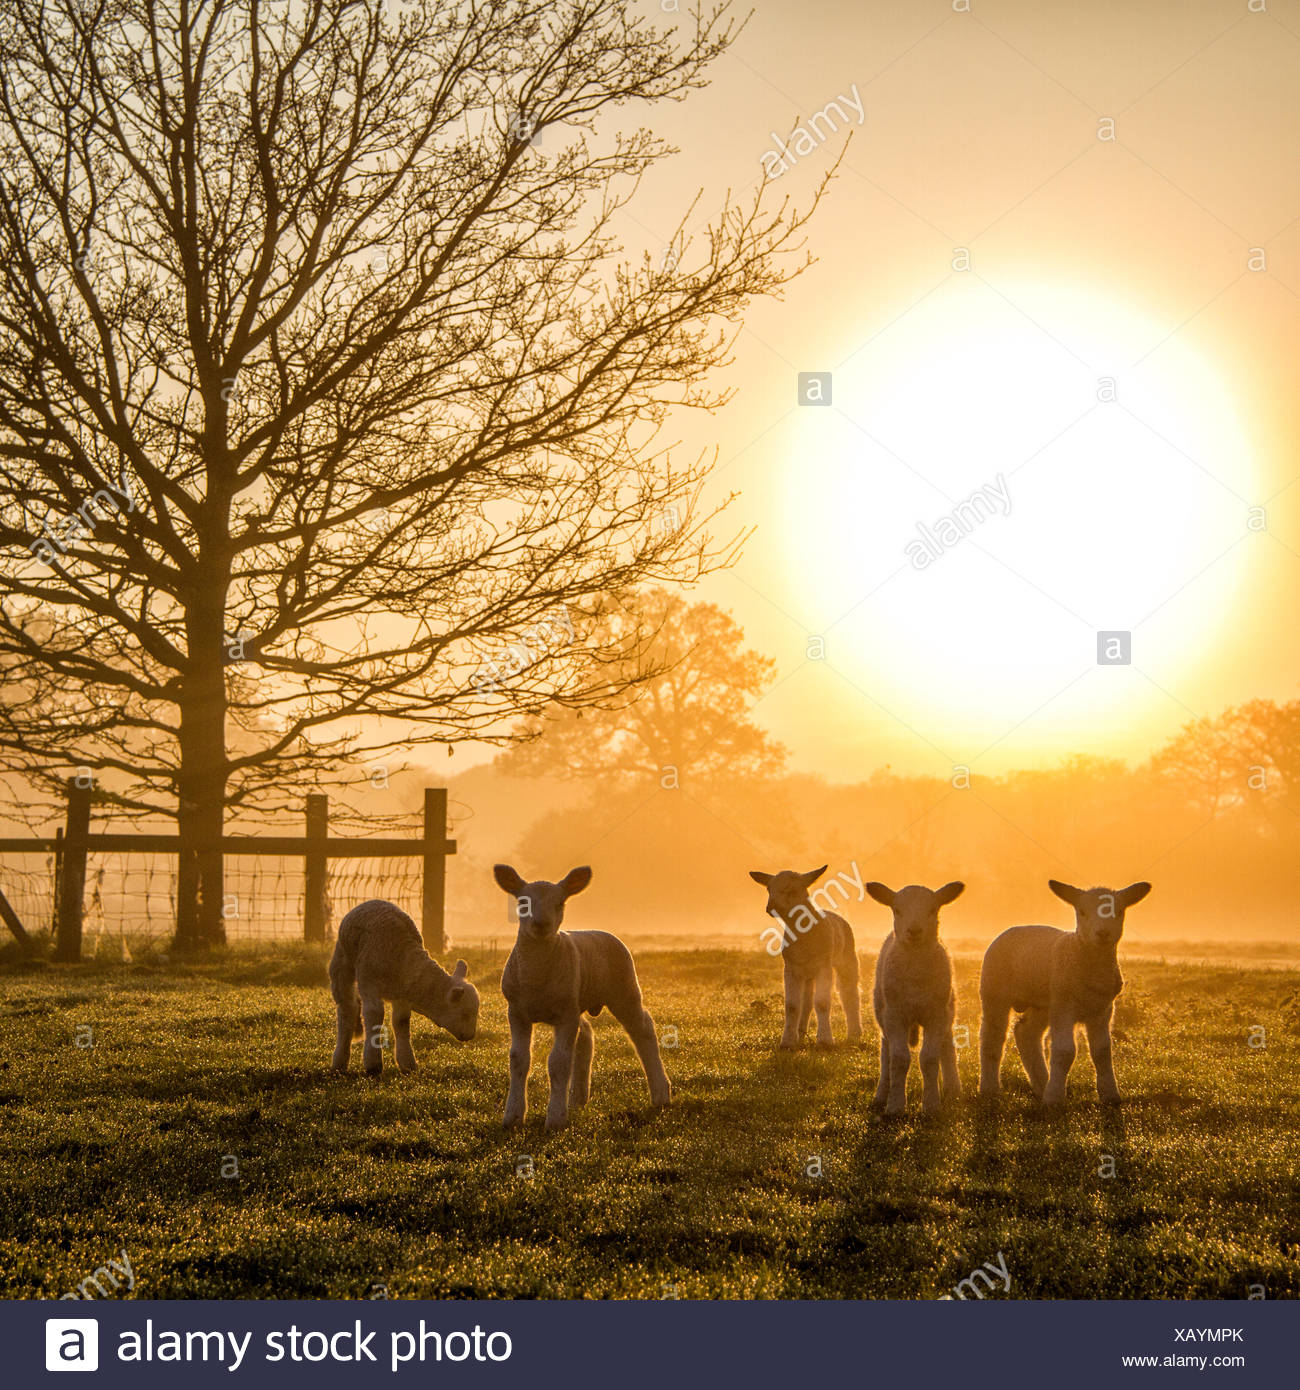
<point>900,1061</point>
<point>822,983</point>
<point>805,1008</point>
<point>948,1065</point>
<point>521,1061</point>
<point>993,1038</point>
<point>1099,1046</point>
<point>790,1035</point>
<point>850,1001</point>
<point>1029,1030</point>
<point>583,1049</point>
<point>1062,1027</point>
<point>882,1086</point>
<point>646,1041</point>
<point>402,1037</point>
<point>349,1021</point>
<point>559,1066</point>
<point>372,1017</point>
<point>930,1051</point>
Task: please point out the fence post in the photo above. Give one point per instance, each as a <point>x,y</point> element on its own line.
<point>435,870</point>
<point>315,869</point>
<point>12,921</point>
<point>58,881</point>
<point>72,885</point>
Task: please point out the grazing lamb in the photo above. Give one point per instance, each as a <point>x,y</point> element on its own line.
<point>378,956</point>
<point>817,949</point>
<point>914,991</point>
<point>557,977</point>
<point>1056,979</point>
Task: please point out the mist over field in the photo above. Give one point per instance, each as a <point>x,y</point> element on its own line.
<point>674,797</point>
<point>676,864</point>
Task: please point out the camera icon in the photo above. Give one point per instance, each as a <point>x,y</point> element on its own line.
<point>71,1344</point>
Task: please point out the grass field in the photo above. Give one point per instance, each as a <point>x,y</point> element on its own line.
<point>344,1184</point>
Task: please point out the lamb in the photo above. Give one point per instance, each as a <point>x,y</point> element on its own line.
<point>817,949</point>
<point>378,956</point>
<point>913,991</point>
<point>1056,979</point>
<point>556,977</point>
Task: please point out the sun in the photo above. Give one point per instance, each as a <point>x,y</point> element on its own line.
<point>1001,476</point>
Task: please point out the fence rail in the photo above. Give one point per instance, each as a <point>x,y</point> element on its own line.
<point>71,847</point>
<point>333,847</point>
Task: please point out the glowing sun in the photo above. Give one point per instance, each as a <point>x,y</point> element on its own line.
<point>1002,474</point>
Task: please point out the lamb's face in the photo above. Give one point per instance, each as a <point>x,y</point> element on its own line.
<point>541,903</point>
<point>787,889</point>
<point>461,1019</point>
<point>1099,912</point>
<point>541,908</point>
<point>453,1007</point>
<point>916,910</point>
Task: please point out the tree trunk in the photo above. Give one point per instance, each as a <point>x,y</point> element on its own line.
<point>200,879</point>
<point>201,784</point>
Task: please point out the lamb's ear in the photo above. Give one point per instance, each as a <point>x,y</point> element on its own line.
<point>1134,893</point>
<point>881,893</point>
<point>812,876</point>
<point>1065,892</point>
<point>760,877</point>
<point>508,879</point>
<point>943,896</point>
<point>461,971</point>
<point>575,881</point>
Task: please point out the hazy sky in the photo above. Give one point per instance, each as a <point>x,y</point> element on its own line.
<point>1057,290</point>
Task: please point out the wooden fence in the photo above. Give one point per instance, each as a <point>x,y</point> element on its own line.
<point>316,847</point>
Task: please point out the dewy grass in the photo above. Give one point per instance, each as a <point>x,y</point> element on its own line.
<point>185,1116</point>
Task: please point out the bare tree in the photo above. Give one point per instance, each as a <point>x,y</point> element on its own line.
<point>328,396</point>
<point>689,720</point>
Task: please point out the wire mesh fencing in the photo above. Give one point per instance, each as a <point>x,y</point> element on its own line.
<point>134,894</point>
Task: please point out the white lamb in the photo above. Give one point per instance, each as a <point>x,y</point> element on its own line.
<point>1056,979</point>
<point>379,956</point>
<point>817,950</point>
<point>914,993</point>
<point>556,977</point>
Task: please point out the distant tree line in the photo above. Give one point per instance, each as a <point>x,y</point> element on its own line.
<point>676,792</point>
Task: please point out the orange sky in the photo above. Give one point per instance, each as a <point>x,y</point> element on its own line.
<point>1129,258</point>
